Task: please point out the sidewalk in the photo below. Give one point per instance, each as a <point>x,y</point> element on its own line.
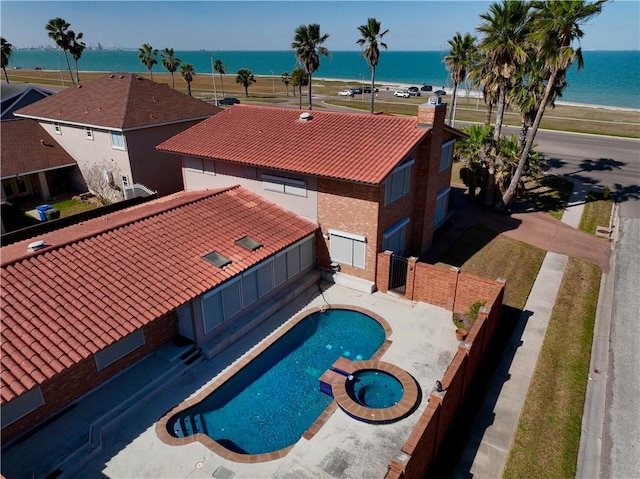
<point>487,449</point>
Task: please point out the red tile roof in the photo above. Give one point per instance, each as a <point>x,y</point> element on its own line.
<point>124,100</point>
<point>27,148</point>
<point>350,146</point>
<point>98,281</point>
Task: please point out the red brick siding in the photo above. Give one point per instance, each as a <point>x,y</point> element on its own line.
<point>81,378</point>
<point>353,208</point>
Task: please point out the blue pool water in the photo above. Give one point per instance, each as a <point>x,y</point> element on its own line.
<point>270,402</point>
<point>374,389</point>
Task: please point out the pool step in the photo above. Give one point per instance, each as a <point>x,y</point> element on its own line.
<point>187,426</point>
<point>328,379</point>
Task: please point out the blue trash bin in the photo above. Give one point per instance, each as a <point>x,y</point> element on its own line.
<point>41,209</point>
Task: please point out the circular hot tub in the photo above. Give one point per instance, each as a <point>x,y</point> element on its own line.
<point>374,388</point>
<point>377,392</point>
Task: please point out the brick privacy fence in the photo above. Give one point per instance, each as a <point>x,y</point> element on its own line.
<point>71,384</point>
<point>456,291</point>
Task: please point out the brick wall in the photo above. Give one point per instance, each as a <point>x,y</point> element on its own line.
<point>79,379</point>
<point>459,290</point>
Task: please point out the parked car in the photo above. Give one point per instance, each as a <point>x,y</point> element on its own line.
<point>426,88</point>
<point>228,101</point>
<point>401,94</point>
<point>413,88</point>
<point>356,91</point>
<point>367,89</point>
<point>346,92</point>
<point>440,92</point>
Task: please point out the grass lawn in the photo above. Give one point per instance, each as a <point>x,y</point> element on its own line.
<point>597,212</point>
<point>548,193</point>
<point>71,207</point>
<point>548,434</point>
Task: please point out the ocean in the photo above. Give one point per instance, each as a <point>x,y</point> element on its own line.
<point>609,78</point>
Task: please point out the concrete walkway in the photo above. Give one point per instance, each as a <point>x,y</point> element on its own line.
<point>487,449</point>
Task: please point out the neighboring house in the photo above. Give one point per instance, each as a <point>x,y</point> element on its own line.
<point>371,182</point>
<point>18,95</point>
<point>111,126</point>
<point>96,297</point>
<point>33,164</point>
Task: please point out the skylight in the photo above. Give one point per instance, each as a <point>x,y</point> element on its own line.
<point>217,259</point>
<point>248,243</point>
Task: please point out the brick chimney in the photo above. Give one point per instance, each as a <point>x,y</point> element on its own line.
<point>432,113</point>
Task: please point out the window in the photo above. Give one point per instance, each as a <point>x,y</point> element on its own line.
<point>348,248</point>
<point>117,140</point>
<point>119,349</point>
<point>394,238</point>
<point>209,168</point>
<point>21,406</point>
<point>125,181</point>
<point>56,129</point>
<point>442,206</point>
<point>217,259</point>
<point>446,155</point>
<point>288,186</point>
<point>193,164</point>
<point>397,183</point>
<point>88,133</point>
<point>250,172</point>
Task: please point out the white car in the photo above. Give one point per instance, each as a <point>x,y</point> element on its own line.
<point>401,94</point>
<point>346,92</point>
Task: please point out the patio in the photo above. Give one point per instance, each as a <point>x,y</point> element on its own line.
<point>423,344</point>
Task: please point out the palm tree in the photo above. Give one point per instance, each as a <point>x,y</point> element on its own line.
<point>483,78</point>
<point>307,42</point>
<point>504,27</point>
<point>299,79</point>
<point>170,63</point>
<point>221,70</point>
<point>245,78</point>
<point>187,72</point>
<point>147,55</point>
<point>459,62</point>
<point>554,28</point>
<point>371,35</point>
<point>76,48</point>
<point>475,150</point>
<point>286,79</point>
<point>57,30</point>
<point>5,56</point>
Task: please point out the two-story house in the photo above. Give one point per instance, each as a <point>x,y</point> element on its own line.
<point>371,182</point>
<point>110,128</point>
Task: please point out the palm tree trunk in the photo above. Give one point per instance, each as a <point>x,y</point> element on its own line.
<point>452,112</point>
<point>310,104</point>
<point>173,83</point>
<point>522,136</point>
<point>222,83</point>
<point>508,196</point>
<point>487,113</point>
<point>189,88</point>
<point>6,77</point>
<point>66,57</point>
<point>300,96</point>
<point>500,113</point>
<point>373,92</point>
<point>151,73</point>
<point>77,73</point>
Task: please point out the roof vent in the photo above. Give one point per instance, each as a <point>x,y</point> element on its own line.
<point>112,76</point>
<point>305,116</point>
<point>36,245</point>
<point>78,86</point>
<point>121,77</point>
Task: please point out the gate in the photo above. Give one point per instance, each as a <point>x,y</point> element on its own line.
<point>398,274</point>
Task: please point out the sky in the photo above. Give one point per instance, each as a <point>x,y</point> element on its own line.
<point>270,25</point>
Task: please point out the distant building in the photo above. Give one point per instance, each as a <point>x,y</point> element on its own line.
<point>111,126</point>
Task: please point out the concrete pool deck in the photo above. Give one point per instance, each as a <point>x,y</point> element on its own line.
<point>423,344</point>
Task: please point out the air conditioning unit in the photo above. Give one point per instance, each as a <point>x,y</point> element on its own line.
<point>434,100</point>
<point>335,267</point>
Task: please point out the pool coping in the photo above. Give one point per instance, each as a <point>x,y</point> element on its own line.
<point>161,425</point>
<point>410,399</point>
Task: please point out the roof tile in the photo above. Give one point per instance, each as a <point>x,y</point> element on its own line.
<point>363,148</point>
<point>57,326</point>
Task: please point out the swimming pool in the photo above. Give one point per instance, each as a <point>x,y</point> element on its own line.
<point>269,403</point>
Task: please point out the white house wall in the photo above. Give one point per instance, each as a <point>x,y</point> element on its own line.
<point>88,153</point>
<point>224,174</point>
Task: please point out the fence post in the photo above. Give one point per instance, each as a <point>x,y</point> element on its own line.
<point>411,278</point>
<point>383,270</point>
